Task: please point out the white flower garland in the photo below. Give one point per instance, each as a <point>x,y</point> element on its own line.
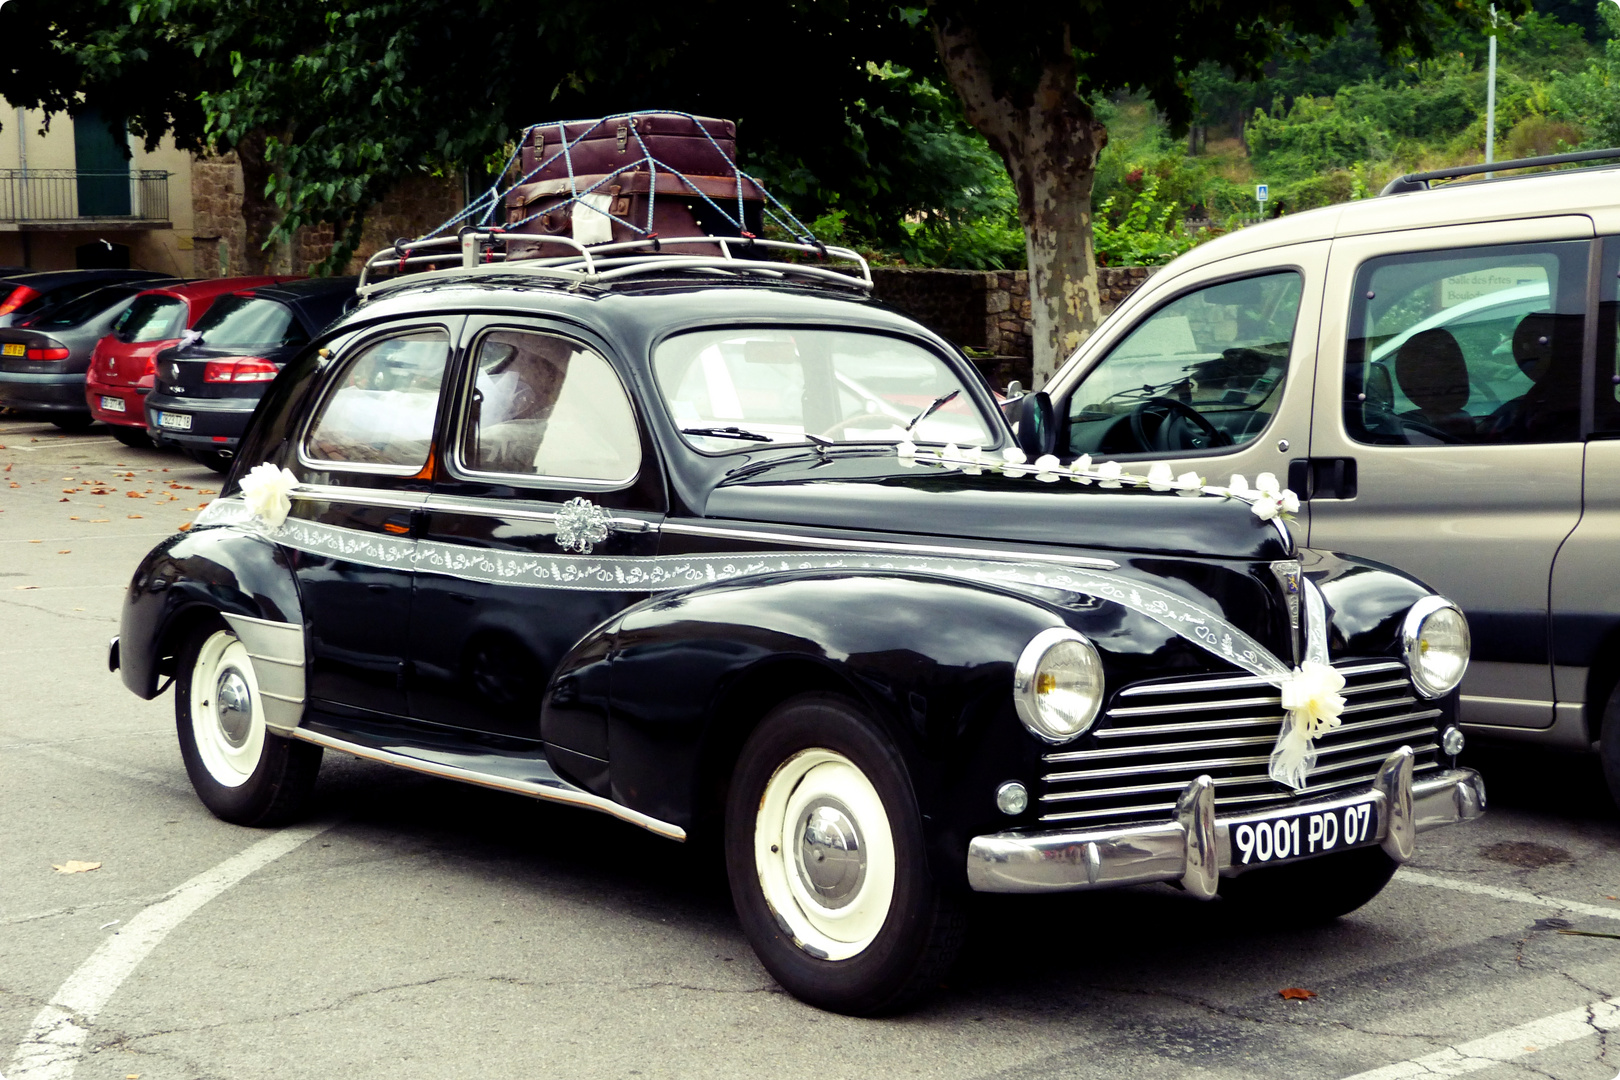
<point>1267,498</point>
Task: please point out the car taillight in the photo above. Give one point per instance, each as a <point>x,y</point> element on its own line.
<point>239,369</point>
<point>47,354</point>
<point>19,296</point>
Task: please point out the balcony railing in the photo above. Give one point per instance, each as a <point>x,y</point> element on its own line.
<point>70,195</point>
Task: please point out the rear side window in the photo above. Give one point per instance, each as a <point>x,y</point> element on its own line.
<point>379,413</point>
<point>1478,346</point>
<point>84,308</point>
<point>248,322</point>
<point>151,318</point>
<point>1608,339</point>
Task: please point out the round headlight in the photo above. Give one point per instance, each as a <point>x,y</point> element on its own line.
<point>1435,638</point>
<point>1058,684</point>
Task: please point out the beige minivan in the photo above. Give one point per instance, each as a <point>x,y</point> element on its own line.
<point>1435,374</point>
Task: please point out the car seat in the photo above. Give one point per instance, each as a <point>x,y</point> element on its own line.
<point>1547,348</point>
<point>1433,374</point>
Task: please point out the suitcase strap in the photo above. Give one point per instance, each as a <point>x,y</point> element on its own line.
<point>636,183</point>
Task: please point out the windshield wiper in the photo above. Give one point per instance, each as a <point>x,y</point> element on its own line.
<point>933,407</point>
<point>727,433</point>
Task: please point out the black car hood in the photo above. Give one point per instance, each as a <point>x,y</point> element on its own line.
<point>874,493</point>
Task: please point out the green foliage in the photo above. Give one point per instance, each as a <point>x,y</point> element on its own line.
<point>1149,233</point>
<point>1313,136</point>
<point>1591,98</point>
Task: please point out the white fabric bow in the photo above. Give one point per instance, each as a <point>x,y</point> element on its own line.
<point>1313,704</point>
<point>266,490</point>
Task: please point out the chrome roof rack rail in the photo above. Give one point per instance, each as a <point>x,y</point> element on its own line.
<point>1419,181</point>
<point>482,253</point>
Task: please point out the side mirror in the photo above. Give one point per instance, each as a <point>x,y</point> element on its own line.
<point>1036,423</point>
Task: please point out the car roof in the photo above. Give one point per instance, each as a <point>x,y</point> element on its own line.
<point>205,288</point>
<point>41,280</point>
<point>1591,191</point>
<point>289,292</point>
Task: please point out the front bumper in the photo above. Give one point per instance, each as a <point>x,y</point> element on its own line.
<point>1195,848</point>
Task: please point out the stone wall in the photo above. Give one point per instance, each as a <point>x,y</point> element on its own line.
<point>220,234</point>
<point>987,312</point>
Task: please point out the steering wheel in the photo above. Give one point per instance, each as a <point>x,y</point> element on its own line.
<point>1172,431</point>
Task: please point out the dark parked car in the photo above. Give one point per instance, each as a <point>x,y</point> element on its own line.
<point>208,386</point>
<point>44,358</point>
<point>718,546</point>
<point>35,292</point>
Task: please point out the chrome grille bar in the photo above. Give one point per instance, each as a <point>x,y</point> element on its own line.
<point>1144,753</point>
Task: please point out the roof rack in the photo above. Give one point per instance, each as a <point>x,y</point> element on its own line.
<point>483,253</point>
<point>1420,181</point>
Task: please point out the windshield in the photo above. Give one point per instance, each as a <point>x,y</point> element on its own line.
<point>249,322</point>
<point>85,308</point>
<point>152,318</point>
<point>729,389</point>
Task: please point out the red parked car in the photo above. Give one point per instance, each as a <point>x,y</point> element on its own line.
<point>121,367</point>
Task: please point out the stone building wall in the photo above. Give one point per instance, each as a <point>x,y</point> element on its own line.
<point>987,312</point>
<point>220,234</point>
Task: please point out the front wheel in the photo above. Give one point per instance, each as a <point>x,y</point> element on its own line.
<point>243,773</point>
<point>1311,891</point>
<point>827,862</point>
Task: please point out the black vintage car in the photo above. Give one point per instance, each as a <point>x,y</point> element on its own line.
<point>719,546</point>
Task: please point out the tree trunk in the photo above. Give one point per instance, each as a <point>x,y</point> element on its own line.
<point>1049,140</point>
<point>258,211</point>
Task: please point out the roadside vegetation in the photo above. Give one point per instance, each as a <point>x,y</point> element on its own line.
<point>1330,122</point>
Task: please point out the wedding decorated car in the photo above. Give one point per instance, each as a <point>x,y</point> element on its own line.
<point>718,546</point>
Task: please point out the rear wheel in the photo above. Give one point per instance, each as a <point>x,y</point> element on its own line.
<point>1312,891</point>
<point>217,460</point>
<point>133,437</point>
<point>1609,746</point>
<point>73,421</point>
<point>243,772</point>
<point>827,862</point>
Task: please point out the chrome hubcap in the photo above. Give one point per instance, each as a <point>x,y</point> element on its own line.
<point>831,855</point>
<point>234,708</point>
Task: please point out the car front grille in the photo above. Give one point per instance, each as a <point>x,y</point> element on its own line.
<point>1158,737</point>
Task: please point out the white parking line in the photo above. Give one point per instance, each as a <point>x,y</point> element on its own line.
<point>1519,896</point>
<point>1505,1046</point>
<point>51,1050</point>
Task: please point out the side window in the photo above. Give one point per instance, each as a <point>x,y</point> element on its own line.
<point>1218,355</point>
<point>548,406</point>
<point>1608,339</point>
<point>1477,347</point>
<point>379,413</point>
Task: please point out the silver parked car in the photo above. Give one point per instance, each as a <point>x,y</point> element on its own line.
<point>1435,373</point>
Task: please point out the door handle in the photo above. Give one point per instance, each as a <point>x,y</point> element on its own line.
<point>1322,478</point>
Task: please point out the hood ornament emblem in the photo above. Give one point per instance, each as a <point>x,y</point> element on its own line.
<point>580,525</point>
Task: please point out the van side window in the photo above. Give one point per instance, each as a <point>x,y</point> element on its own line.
<point>1204,371</point>
<point>1608,339</point>
<point>1473,347</point>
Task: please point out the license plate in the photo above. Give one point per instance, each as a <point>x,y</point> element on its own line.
<point>174,421</point>
<point>14,349</point>
<point>1309,832</point>
<point>112,404</point>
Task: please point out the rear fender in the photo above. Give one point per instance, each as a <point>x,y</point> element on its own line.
<point>196,575</point>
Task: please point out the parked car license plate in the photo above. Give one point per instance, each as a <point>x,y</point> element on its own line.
<point>13,348</point>
<point>112,404</point>
<point>174,421</point>
<point>1307,833</point>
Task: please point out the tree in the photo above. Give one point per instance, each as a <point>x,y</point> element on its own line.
<point>1026,80</point>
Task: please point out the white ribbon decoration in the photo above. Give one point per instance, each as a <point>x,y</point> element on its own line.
<point>267,491</point>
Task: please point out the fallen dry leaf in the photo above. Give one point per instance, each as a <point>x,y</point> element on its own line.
<point>185,527</point>
<point>99,521</point>
<point>134,495</point>
<point>8,464</point>
<point>23,588</point>
<point>1296,993</point>
<point>36,541</point>
<point>15,484</point>
<point>64,500</point>
<point>68,551</point>
<point>102,491</point>
<point>134,515</point>
<point>74,866</point>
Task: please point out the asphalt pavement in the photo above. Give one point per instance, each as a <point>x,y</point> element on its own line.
<point>419,928</point>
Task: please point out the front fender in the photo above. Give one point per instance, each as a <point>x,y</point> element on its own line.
<point>190,576</point>
<point>689,674</point>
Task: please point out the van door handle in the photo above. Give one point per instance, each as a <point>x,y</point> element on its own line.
<point>1322,478</point>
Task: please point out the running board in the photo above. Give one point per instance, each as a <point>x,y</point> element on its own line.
<point>531,776</point>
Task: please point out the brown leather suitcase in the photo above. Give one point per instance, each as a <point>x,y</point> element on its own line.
<point>679,208</point>
<point>695,145</point>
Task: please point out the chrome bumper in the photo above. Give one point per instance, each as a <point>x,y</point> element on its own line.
<point>1195,848</point>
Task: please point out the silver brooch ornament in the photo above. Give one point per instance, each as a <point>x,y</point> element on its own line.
<point>580,524</point>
